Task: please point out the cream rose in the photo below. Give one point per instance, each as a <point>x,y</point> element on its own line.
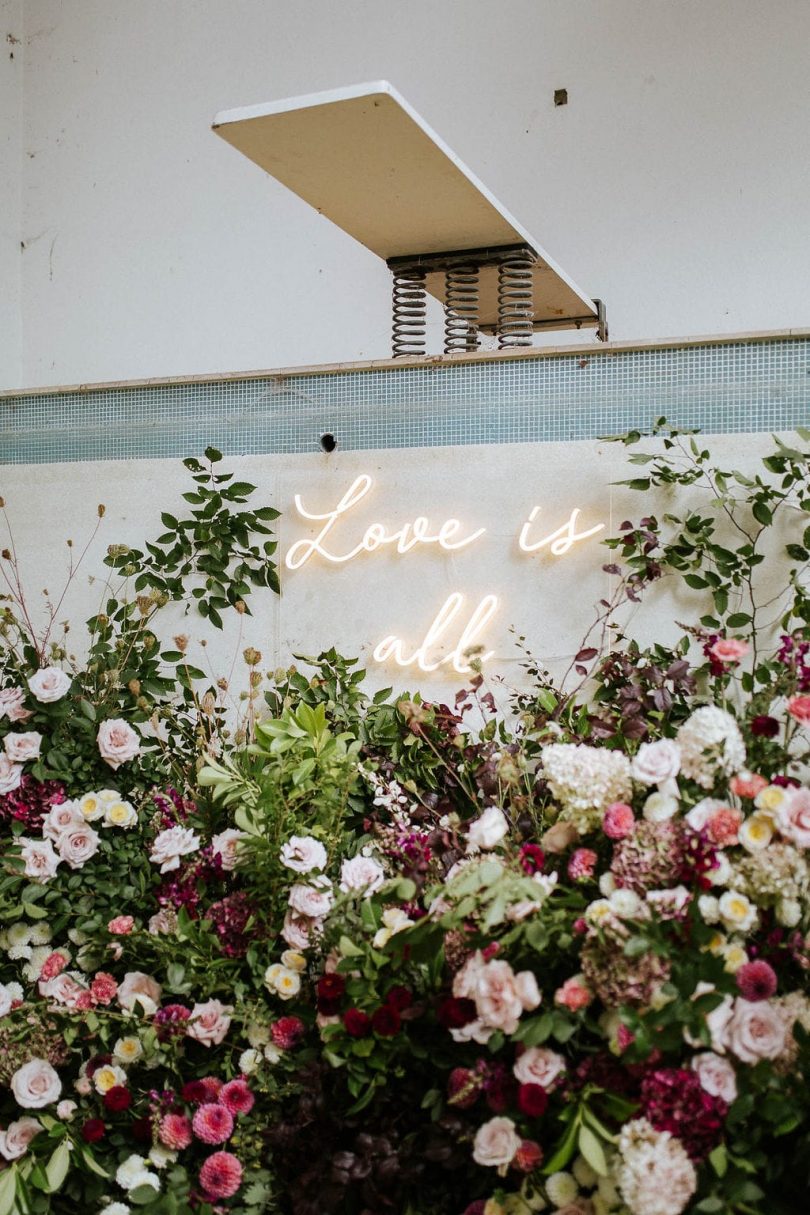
<point>716,1075</point>
<point>11,705</point>
<point>117,742</point>
<point>539,1065</point>
<point>303,853</point>
<point>49,684</point>
<point>15,1139</point>
<point>209,1022</point>
<point>757,1030</point>
<point>40,859</point>
<point>659,807</point>
<point>170,845</point>
<point>226,847</point>
<point>77,845</point>
<point>10,774</point>
<point>36,1084</point>
<point>488,829</point>
<point>793,817</point>
<point>361,873</point>
<point>313,901</point>
<point>120,814</point>
<point>496,1143</point>
<point>656,762</point>
<point>141,989</point>
<point>60,819</point>
<point>21,748</point>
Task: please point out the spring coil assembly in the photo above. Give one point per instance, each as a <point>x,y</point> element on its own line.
<point>409,312</point>
<point>461,309</point>
<point>515,305</point>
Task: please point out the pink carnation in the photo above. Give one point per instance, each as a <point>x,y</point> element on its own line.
<point>573,995</point>
<point>729,649</point>
<point>287,1032</point>
<point>582,864</point>
<point>103,989</point>
<point>236,1097</point>
<point>121,926</point>
<point>174,1131</point>
<point>213,1123</point>
<point>53,965</point>
<point>724,825</point>
<point>221,1175</point>
<point>618,821</point>
<point>747,784</point>
<point>799,709</point>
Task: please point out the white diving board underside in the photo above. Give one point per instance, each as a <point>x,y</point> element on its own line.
<point>363,157</point>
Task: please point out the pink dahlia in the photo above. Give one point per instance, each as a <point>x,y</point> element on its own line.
<point>174,1131</point>
<point>618,821</point>
<point>582,864</point>
<point>756,981</point>
<point>236,1097</point>
<point>213,1123</point>
<point>221,1175</point>
<point>287,1032</point>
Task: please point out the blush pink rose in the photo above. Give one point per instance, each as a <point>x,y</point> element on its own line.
<point>138,988</point>
<point>799,709</point>
<point>303,853</point>
<point>49,684</point>
<point>619,821</point>
<point>793,817</point>
<point>39,857</point>
<point>209,1022</point>
<point>574,994</point>
<point>65,990</point>
<point>14,1140</point>
<point>61,818</point>
<point>656,762</point>
<point>22,748</point>
<point>539,1065</point>
<point>36,1084</point>
<point>10,774</point>
<point>716,1075</point>
<point>757,1030</point>
<point>298,930</point>
<point>501,996</point>
<point>226,847</point>
<point>170,845</point>
<point>78,845</point>
<point>361,873</point>
<point>496,1143</point>
<point>11,705</point>
<point>313,901</point>
<point>117,742</point>
<point>729,649</point>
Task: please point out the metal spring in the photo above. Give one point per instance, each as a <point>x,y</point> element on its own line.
<point>461,309</point>
<point>515,305</point>
<point>409,313</point>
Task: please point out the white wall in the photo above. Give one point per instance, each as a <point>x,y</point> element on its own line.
<point>11,95</point>
<point>674,184</point>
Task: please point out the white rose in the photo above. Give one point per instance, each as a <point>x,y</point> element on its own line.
<point>656,762</point>
<point>170,845</point>
<point>78,845</point>
<point>139,988</point>
<point>10,774</point>
<point>36,1084</point>
<point>15,1139</point>
<point>49,684</point>
<point>709,908</point>
<point>313,901</point>
<point>91,807</point>
<point>659,807</point>
<point>226,846</point>
<point>209,1022</point>
<point>625,903</point>
<point>756,832</point>
<point>716,1075</point>
<point>361,873</point>
<point>40,859</point>
<point>757,1030</point>
<point>303,854</point>
<point>117,742</point>
<point>539,1065</point>
<point>20,748</point>
<point>120,814</point>
<point>488,829</point>
<point>737,911</point>
<point>250,1061</point>
<point>61,818</point>
<point>496,1143</point>
<point>11,705</point>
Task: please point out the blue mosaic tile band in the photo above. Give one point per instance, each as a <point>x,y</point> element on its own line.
<point>734,387</point>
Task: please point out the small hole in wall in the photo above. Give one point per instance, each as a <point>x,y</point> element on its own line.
<point>561,96</point>
<point>328,442</point>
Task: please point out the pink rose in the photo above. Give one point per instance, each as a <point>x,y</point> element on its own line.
<point>117,742</point>
<point>303,853</point>
<point>619,821</point>
<point>141,989</point>
<point>496,1143</point>
<point>799,709</point>
<point>747,784</point>
<point>313,901</point>
<point>10,774</point>
<point>574,994</point>
<point>226,847</point>
<point>78,845</point>
<point>121,925</point>
<point>40,859</point>
<point>20,748</point>
<point>209,1022</point>
<point>297,930</point>
<point>11,705</point>
<point>656,762</point>
<point>499,995</point>
<point>49,684</point>
<point>61,818</point>
<point>64,990</point>
<point>729,649</point>
<point>793,816</point>
<point>15,1139</point>
<point>716,1075</point>
<point>36,1084</point>
<point>539,1065</point>
<point>757,1030</point>
<point>170,845</point>
<point>361,873</point>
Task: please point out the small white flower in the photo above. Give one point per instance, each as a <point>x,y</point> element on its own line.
<point>709,908</point>
<point>583,1172</point>
<point>722,872</point>
<point>737,912</point>
<point>788,912</point>
<point>487,830</point>
<point>116,1208</point>
<point>19,933</point>
<point>91,807</point>
<point>598,911</point>
<point>607,884</point>
<point>659,807</point>
<point>41,933</point>
<point>625,903</point>
<point>561,1188</point>
<point>170,845</point>
<point>250,1061</point>
<point>161,1156</point>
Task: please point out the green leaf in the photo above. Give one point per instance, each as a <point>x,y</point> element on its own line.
<point>142,1195</point>
<point>564,1151</point>
<point>719,1160</point>
<point>738,620</point>
<point>8,1190</point>
<point>762,512</point>
<point>592,1150</point>
<point>56,1170</point>
<point>213,455</point>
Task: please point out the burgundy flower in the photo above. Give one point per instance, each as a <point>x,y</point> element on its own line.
<point>453,1013</point>
<point>532,1100</point>
<point>30,802</point>
<point>93,1130</point>
<point>399,998</point>
<point>356,1023</point>
<point>170,1021</point>
<point>463,1087</point>
<point>287,1032</point>
<point>235,923</point>
<point>330,992</point>
<point>117,1098</point>
<point>764,726</point>
<point>499,1088</point>
<point>194,1092</point>
<point>386,1022</point>
<point>95,1062</point>
<point>532,858</point>
<point>756,981</point>
<point>673,1099</point>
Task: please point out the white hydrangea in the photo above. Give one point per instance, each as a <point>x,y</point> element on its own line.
<point>586,780</point>
<point>711,746</point>
<point>654,1173</point>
